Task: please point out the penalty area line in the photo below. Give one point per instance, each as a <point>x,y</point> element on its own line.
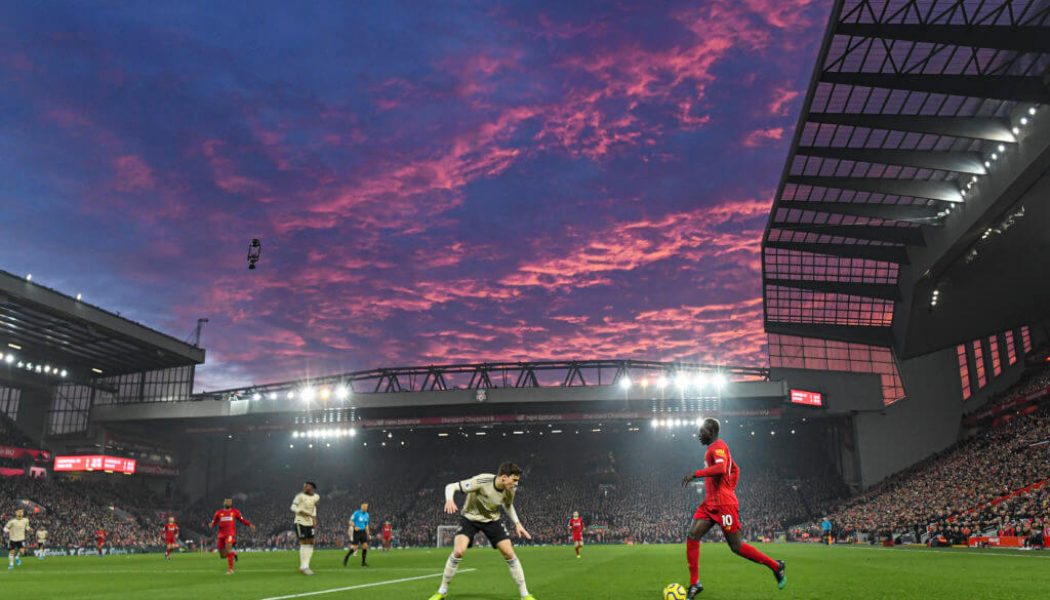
<point>362,586</point>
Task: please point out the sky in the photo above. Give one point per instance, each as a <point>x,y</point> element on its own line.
<point>432,182</point>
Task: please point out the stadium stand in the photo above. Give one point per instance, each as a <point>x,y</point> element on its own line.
<point>991,483</point>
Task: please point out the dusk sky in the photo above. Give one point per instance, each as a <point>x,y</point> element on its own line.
<point>432,182</point>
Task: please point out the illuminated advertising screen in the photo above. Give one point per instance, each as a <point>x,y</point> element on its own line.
<point>95,462</point>
<point>807,398</point>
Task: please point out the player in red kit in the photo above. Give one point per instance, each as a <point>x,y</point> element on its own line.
<point>576,527</point>
<point>720,507</point>
<point>171,537</point>
<point>388,535</point>
<point>100,540</point>
<point>226,518</point>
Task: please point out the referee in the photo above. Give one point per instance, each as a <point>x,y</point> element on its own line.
<point>358,532</point>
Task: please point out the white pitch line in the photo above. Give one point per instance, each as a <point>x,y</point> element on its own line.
<point>362,586</point>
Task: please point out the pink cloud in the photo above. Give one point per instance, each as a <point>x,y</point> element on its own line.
<point>782,98</point>
<point>760,137</point>
<point>133,174</point>
<point>224,172</point>
<point>628,246</point>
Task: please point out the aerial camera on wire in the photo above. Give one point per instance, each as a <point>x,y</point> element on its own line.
<point>254,251</point>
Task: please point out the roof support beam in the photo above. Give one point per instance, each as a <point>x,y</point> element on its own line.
<point>888,212</point>
<point>959,162</point>
<point>990,129</point>
<point>1017,39</point>
<point>911,236</point>
<point>1018,88</point>
<point>884,291</point>
<point>891,254</point>
<point>872,336</point>
<point>945,191</point>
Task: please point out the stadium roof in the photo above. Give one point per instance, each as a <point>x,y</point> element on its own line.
<point>910,105</point>
<point>39,324</point>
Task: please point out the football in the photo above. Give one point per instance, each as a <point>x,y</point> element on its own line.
<point>674,591</point>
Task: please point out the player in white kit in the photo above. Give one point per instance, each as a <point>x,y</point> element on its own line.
<point>305,508</point>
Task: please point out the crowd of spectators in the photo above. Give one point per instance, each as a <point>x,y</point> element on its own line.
<point>958,492</point>
<point>71,511</point>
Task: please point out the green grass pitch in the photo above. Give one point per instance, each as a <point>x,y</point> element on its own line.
<point>814,573</point>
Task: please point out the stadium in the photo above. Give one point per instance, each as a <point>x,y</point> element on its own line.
<point>873,341</point>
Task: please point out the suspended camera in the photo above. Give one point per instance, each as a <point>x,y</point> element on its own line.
<point>254,251</point>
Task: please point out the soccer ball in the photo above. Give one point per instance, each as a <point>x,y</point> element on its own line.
<point>674,591</point>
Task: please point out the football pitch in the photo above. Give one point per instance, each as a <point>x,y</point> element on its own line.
<point>814,572</point>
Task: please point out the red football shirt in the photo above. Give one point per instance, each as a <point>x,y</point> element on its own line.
<point>576,525</point>
<point>100,535</point>
<point>721,490</point>
<point>388,530</point>
<point>171,530</point>
<point>226,519</point>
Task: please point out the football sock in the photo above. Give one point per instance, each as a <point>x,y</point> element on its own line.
<point>518,575</point>
<point>364,556</point>
<point>753,554</point>
<point>451,566</point>
<point>692,556</point>
<point>229,559</point>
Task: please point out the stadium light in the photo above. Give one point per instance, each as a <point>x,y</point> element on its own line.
<point>625,382</point>
<point>257,396</point>
<point>353,432</point>
<point>63,373</point>
<point>273,395</point>
<point>1002,148</point>
<point>29,366</point>
<point>661,382</point>
<point>291,395</point>
<point>342,392</point>
<point>13,346</point>
<point>47,368</point>
<point>96,370</point>
<point>719,381</point>
<point>326,392</point>
<point>700,381</point>
<point>78,297</point>
<point>656,423</point>
<point>10,358</point>
<point>291,445</point>
<point>681,380</point>
<point>29,277</point>
<point>307,393</point>
<point>1015,130</point>
<point>1031,111</point>
<point>1024,120</point>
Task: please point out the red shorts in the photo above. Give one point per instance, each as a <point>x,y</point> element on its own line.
<point>727,517</point>
<point>169,540</point>
<point>220,542</point>
<point>100,543</point>
<point>386,540</point>
<point>577,537</point>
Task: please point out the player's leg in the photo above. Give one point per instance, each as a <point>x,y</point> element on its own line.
<point>231,554</point>
<point>697,530</point>
<point>460,545</point>
<point>364,553</point>
<point>11,556</point>
<point>306,548</point>
<point>741,548</point>
<point>506,548</point>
